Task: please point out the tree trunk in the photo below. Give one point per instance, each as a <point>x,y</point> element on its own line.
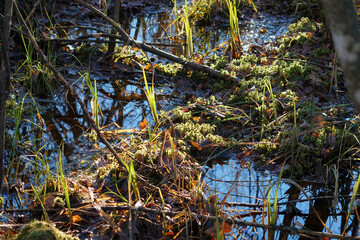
<point>344,27</point>
<point>4,80</point>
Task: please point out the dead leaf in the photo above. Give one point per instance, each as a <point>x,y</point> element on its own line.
<point>319,121</point>
<point>143,124</point>
<point>148,67</point>
<point>76,219</point>
<point>195,144</point>
<point>309,34</point>
<point>315,134</point>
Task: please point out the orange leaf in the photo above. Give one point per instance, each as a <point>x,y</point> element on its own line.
<point>76,219</point>
<point>319,120</point>
<point>196,119</point>
<point>195,144</point>
<point>148,67</point>
<point>143,124</point>
<point>315,134</point>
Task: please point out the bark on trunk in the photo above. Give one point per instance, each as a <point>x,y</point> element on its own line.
<point>4,80</point>
<point>344,27</point>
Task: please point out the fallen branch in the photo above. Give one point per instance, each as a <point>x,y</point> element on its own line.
<point>145,47</point>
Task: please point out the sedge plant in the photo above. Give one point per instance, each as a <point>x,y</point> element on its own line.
<point>17,113</point>
<point>150,95</point>
<point>188,31</point>
<point>235,41</point>
<point>132,182</point>
<point>269,87</point>
<point>353,197</point>
<point>272,214</point>
<point>60,169</point>
<point>95,106</point>
<point>183,20</point>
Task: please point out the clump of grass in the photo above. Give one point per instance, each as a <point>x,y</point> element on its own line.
<point>150,95</point>
<point>65,188</point>
<point>235,40</point>
<point>95,106</point>
<point>272,214</point>
<point>188,31</point>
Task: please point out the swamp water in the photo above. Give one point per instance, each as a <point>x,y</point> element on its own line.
<point>122,101</point>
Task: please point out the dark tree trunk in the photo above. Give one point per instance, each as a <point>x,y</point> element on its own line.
<point>4,80</point>
<point>344,27</point>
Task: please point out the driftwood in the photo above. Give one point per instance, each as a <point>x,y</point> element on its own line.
<point>145,47</point>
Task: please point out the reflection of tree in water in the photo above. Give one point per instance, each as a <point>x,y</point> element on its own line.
<point>323,204</point>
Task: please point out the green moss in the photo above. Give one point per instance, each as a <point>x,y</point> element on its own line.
<point>194,131</point>
<point>304,152</point>
<point>179,114</point>
<point>41,231</point>
<point>218,62</point>
<point>244,63</point>
<point>297,39</point>
<point>265,146</point>
<point>304,24</point>
<point>198,132</point>
<point>169,69</point>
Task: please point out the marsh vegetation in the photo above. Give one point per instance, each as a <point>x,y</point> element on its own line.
<point>202,119</point>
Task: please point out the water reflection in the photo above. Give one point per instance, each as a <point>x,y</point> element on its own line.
<point>245,190</point>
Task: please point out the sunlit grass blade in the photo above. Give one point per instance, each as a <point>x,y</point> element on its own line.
<point>273,213</point>
<point>150,95</point>
<point>64,185</point>
<point>353,197</point>
<point>95,106</point>
<point>235,40</point>
<point>132,181</point>
<point>188,31</point>
<point>251,2</point>
<point>41,203</point>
